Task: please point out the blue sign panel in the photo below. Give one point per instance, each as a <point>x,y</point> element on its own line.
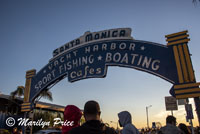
<point>188,108</point>
<point>91,61</point>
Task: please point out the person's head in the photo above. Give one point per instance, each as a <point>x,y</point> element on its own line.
<point>20,131</point>
<point>171,120</point>
<point>124,118</point>
<point>184,128</point>
<point>14,129</point>
<point>71,114</point>
<point>92,110</point>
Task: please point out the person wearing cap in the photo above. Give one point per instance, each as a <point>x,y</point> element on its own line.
<point>93,125</point>
<point>71,113</point>
<point>125,121</point>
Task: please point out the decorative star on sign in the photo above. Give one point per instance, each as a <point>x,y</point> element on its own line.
<point>142,48</point>
<point>99,57</point>
<point>44,71</point>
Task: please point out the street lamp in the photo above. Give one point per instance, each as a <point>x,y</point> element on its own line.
<point>147,115</point>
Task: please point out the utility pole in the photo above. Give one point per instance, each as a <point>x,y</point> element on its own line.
<point>148,115</point>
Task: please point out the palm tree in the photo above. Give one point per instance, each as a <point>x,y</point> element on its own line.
<point>20,92</point>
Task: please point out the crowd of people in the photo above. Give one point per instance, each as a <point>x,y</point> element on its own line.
<point>94,125</point>
<point>169,128</point>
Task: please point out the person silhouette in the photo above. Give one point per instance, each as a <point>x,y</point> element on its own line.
<point>93,124</point>
<point>125,121</point>
<point>170,127</point>
<point>71,113</point>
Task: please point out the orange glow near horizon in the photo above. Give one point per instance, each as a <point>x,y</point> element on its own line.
<point>141,122</point>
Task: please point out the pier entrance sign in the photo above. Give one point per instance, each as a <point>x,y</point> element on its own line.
<point>90,55</point>
<point>92,60</point>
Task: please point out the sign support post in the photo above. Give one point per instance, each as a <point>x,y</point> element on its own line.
<point>186,87</point>
<point>172,113</point>
<point>26,106</point>
<point>192,126</point>
<point>188,108</point>
<point>197,105</point>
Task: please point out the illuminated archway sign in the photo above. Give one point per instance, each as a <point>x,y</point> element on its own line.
<point>90,55</point>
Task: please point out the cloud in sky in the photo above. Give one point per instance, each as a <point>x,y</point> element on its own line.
<point>161,114</point>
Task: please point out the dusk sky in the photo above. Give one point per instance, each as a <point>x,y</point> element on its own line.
<point>31,30</point>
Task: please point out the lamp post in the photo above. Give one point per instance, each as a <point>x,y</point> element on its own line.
<point>147,115</point>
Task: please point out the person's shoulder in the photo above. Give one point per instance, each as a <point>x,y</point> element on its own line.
<point>131,127</point>
<point>178,130</point>
<point>170,128</point>
<point>76,130</point>
<point>162,129</point>
<point>109,130</point>
<point>175,128</point>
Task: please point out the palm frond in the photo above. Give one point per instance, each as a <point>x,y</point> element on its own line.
<point>13,94</point>
<point>18,92</point>
<point>195,1</point>
<point>46,95</point>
